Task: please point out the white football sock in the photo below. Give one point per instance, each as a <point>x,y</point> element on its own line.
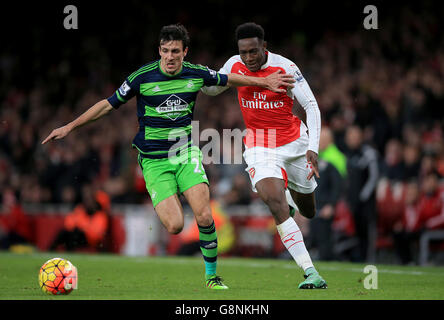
<point>293,240</point>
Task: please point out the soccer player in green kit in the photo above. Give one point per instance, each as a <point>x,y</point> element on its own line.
<point>166,92</point>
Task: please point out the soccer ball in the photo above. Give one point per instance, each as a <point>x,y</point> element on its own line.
<point>58,276</point>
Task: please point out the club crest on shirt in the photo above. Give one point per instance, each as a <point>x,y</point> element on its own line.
<point>190,84</point>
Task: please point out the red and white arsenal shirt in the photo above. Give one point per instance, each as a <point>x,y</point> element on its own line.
<point>268,115</point>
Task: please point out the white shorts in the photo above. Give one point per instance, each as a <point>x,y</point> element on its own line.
<point>287,162</point>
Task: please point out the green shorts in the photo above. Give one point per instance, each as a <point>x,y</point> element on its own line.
<point>165,177</point>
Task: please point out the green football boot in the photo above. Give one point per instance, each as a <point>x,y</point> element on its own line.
<point>214,282</point>
<point>313,280</point>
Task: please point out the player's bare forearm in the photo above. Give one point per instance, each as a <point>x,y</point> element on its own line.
<point>273,82</point>
<point>97,111</point>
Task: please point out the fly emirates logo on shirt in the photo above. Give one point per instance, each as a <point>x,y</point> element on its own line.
<point>259,101</point>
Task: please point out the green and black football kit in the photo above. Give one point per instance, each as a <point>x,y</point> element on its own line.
<point>165,106</point>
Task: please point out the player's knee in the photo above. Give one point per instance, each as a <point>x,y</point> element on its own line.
<point>174,228</point>
<point>204,218</point>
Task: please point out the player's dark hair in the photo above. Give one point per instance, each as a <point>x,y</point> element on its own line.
<point>174,32</point>
<point>249,30</point>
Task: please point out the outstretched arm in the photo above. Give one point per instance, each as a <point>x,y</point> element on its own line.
<point>272,82</point>
<point>214,90</point>
<point>95,112</point>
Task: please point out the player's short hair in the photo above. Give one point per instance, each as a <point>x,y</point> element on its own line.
<point>175,32</point>
<point>249,30</point>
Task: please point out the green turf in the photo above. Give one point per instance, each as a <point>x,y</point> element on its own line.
<point>174,278</point>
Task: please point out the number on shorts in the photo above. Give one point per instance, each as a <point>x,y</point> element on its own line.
<point>196,161</point>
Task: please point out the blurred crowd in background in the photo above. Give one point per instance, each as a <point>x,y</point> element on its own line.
<point>380,90</point>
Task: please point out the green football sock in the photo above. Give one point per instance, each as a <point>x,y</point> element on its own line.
<point>208,246</point>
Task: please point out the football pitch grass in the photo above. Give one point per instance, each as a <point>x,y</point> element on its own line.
<point>109,277</point>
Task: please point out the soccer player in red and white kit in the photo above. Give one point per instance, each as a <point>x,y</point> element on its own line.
<point>281,156</point>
